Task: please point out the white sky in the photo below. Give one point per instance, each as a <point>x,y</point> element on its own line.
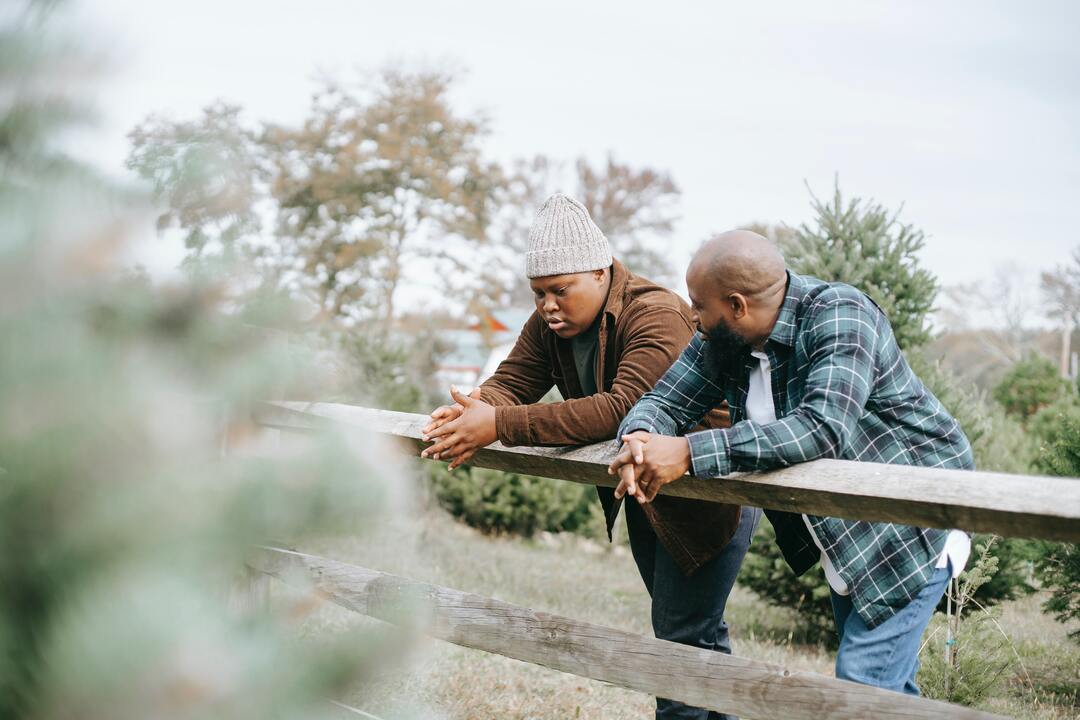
<point>965,112</point>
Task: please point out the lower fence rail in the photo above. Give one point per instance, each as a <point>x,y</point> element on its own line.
<point>726,683</point>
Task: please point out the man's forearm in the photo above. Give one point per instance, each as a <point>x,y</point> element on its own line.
<point>749,446</point>
<point>648,415</point>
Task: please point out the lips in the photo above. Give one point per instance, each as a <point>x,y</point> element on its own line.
<point>556,323</point>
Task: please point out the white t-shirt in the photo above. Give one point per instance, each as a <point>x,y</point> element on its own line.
<point>760,409</point>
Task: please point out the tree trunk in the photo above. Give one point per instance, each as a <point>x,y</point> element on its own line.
<point>1066,346</point>
<point>393,276</point>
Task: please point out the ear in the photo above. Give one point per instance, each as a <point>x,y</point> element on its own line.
<point>739,305</point>
<point>599,275</point>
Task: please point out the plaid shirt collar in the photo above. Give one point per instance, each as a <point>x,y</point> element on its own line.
<point>783,331</point>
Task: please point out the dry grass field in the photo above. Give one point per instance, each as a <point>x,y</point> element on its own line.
<point>571,576</point>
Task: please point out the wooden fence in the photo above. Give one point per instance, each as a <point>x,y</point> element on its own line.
<point>1011,505</point>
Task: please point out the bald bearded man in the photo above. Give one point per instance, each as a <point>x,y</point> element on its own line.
<point>810,370</point>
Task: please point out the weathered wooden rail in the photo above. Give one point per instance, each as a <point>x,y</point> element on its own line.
<point>748,688</point>
<point>1009,505</point>
<point>992,502</point>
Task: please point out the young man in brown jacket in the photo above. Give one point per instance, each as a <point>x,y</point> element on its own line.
<point>603,336</point>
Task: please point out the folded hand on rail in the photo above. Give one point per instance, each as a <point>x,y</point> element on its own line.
<point>647,462</point>
<point>459,438</point>
<point>442,415</point>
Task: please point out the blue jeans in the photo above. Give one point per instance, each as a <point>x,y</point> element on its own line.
<point>688,610</point>
<point>886,656</point>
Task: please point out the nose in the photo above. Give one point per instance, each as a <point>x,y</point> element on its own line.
<point>549,304</point>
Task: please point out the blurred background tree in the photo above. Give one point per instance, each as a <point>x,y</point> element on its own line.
<point>378,178</point>
<point>634,208</point>
<point>209,175</point>
<point>1061,293</point>
<point>1029,386</point>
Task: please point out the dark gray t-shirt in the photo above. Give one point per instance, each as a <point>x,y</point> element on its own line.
<point>584,347</point>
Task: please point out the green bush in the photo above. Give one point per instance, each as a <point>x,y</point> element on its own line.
<point>1058,567</point>
<point>998,440</point>
<point>766,573</point>
<point>503,502</point>
<point>1059,564</point>
<point>1049,428</point>
<point>1029,386</point>
<point>966,657</point>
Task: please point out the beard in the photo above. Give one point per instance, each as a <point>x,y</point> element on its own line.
<point>724,350</point>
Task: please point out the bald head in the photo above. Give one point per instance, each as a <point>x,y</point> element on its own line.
<point>737,282</point>
<point>739,261</point>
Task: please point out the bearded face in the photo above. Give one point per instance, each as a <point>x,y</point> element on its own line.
<point>724,349</point>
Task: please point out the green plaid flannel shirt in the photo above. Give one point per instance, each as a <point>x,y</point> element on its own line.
<point>841,389</point>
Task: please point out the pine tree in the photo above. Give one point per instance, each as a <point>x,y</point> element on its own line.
<point>1029,386</point>
<point>1059,566</point>
<point>864,244</point>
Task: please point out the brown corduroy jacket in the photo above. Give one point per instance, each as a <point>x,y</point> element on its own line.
<point>643,328</point>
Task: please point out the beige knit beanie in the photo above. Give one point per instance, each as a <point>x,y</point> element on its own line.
<point>564,239</point>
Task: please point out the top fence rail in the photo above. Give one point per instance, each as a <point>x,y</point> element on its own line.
<point>1009,505</point>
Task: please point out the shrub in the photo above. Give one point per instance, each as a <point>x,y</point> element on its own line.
<point>1029,386</point>
<point>1059,564</point>
<point>998,440</point>
<point>1049,428</point>
<point>504,502</point>
<point>966,658</point>
<point>765,572</point>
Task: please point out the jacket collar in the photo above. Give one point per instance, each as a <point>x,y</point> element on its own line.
<point>620,276</point>
<point>783,331</point>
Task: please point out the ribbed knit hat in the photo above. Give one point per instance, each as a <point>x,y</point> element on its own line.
<point>564,239</point>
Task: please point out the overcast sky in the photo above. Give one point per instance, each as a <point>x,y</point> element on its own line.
<point>967,113</point>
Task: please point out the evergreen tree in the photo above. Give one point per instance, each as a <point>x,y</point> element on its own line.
<point>1029,386</point>
<point>1059,565</point>
<point>864,244</point>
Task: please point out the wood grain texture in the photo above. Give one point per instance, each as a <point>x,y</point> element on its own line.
<point>698,677</point>
<point>1009,505</point>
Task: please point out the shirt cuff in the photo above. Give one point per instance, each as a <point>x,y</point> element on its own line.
<point>709,453</point>
<point>633,424</point>
<point>512,424</point>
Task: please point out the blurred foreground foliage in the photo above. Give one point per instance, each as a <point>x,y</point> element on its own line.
<point>133,483</point>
